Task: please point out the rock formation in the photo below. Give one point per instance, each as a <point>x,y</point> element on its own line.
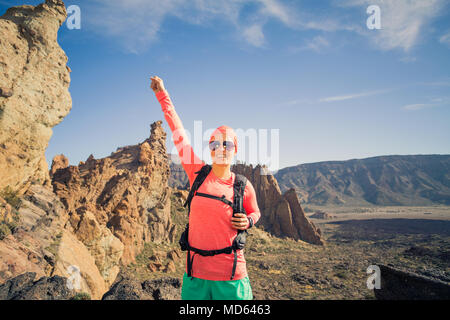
<point>97,217</point>
<point>121,197</point>
<point>398,284</point>
<point>130,289</point>
<point>178,177</point>
<point>23,287</point>
<point>44,244</point>
<point>31,247</point>
<point>34,96</point>
<point>281,214</point>
<point>94,216</point>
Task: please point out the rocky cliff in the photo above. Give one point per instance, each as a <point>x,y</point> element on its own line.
<point>34,96</point>
<point>178,177</point>
<point>122,197</point>
<point>97,217</point>
<point>35,231</point>
<point>42,243</point>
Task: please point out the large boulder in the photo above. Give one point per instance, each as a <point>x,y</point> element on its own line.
<point>24,287</point>
<point>71,254</point>
<point>397,284</point>
<point>34,95</point>
<point>126,288</point>
<point>32,246</point>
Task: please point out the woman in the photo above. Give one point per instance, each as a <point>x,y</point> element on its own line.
<point>212,225</point>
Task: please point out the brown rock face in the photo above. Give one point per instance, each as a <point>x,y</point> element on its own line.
<point>58,162</point>
<point>33,245</point>
<point>126,288</point>
<point>34,96</point>
<point>281,214</point>
<point>43,243</point>
<point>124,196</point>
<point>99,214</point>
<point>72,252</point>
<point>23,287</point>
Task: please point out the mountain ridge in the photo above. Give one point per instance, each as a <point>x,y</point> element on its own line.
<point>381,180</point>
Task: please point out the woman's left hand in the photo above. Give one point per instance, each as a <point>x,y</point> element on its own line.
<point>157,84</point>
<point>239,221</point>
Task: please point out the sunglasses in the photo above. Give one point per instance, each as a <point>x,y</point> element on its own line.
<point>227,145</point>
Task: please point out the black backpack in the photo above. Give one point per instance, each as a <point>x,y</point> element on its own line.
<point>238,207</point>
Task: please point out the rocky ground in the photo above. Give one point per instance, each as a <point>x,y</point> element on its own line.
<point>415,239</point>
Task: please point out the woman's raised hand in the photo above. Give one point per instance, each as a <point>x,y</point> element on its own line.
<point>157,84</point>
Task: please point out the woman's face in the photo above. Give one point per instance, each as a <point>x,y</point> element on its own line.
<point>222,155</point>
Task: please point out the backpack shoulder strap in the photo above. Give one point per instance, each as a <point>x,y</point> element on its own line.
<point>238,193</point>
<point>238,207</point>
<point>201,176</point>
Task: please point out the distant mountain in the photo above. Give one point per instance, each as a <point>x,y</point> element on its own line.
<point>383,180</point>
<point>178,177</point>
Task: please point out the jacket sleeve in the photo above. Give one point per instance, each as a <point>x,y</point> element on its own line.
<point>251,203</point>
<point>189,160</point>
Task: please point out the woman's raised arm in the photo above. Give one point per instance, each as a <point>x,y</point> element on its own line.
<point>189,160</point>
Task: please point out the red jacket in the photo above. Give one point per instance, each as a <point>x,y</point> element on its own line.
<point>209,220</point>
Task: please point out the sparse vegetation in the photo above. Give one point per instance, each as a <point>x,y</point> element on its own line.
<point>11,197</point>
<point>7,228</point>
<point>9,221</point>
<point>81,296</point>
<point>4,231</point>
<point>53,247</point>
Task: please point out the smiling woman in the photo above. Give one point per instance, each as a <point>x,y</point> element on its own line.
<point>223,146</point>
<point>222,205</point>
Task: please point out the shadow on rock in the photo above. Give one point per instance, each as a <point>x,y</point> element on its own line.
<point>130,289</point>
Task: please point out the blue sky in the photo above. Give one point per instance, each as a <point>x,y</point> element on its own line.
<point>334,89</point>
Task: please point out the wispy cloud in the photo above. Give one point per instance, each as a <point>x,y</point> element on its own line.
<point>433,102</point>
<point>402,21</point>
<point>353,96</point>
<point>137,23</point>
<point>317,44</point>
<point>445,39</point>
<point>418,106</point>
<point>308,101</point>
<point>274,8</point>
<point>254,35</point>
